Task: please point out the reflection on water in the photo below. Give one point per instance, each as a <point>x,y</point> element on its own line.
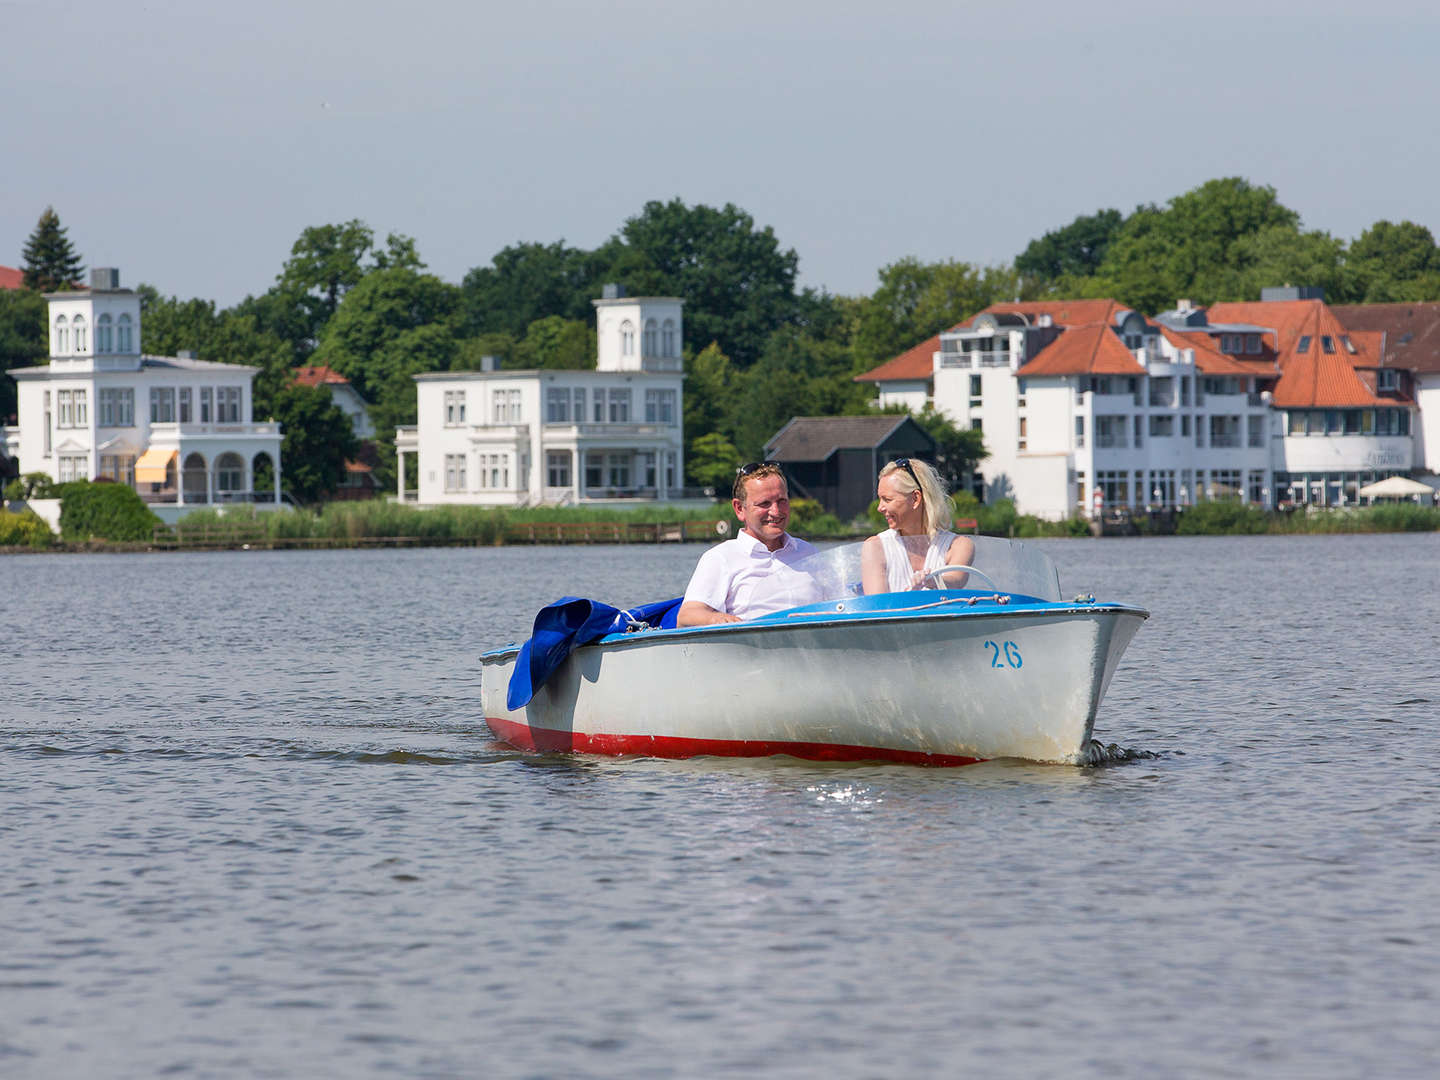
<point>253,826</point>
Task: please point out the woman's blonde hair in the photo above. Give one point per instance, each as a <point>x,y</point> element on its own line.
<point>912,474</point>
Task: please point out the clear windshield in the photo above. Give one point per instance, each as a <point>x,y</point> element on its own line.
<point>1009,565</point>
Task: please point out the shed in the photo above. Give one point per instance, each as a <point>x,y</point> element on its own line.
<point>835,459</point>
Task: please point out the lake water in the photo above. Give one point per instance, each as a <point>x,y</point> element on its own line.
<point>250,825</point>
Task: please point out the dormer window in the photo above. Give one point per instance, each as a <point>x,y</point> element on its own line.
<point>1327,343</point>
<point>104,335</point>
<point>1252,343</point>
<point>62,336</point>
<point>1349,345</point>
<point>1304,345</point>
<point>627,338</point>
<point>1387,379</point>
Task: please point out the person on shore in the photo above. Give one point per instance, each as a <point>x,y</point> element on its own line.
<point>754,574</point>
<point>918,542</point>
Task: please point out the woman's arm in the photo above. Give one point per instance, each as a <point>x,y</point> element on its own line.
<point>873,575</point>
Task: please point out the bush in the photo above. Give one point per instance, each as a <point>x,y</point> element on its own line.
<point>803,512</point>
<point>25,529</point>
<point>34,485</point>
<point>103,511</point>
<point>1222,516</point>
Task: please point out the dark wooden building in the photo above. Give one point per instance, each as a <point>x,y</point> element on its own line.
<point>836,459</point>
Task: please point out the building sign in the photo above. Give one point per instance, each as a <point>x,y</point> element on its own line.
<point>1381,459</point>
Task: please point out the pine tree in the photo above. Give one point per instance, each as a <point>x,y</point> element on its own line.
<point>50,260</point>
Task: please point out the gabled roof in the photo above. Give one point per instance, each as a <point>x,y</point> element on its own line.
<point>815,438</point>
<point>315,376</point>
<point>1084,350</point>
<point>1411,332</point>
<point>1061,312</point>
<point>10,278</point>
<point>1210,360</point>
<point>917,362</point>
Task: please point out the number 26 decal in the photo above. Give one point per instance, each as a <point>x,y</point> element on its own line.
<point>1004,654</point>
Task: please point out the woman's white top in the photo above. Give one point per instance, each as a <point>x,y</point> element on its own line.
<point>899,572</point>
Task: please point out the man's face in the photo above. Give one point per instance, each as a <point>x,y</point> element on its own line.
<point>765,511</point>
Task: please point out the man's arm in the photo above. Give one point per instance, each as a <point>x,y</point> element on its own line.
<point>697,613</point>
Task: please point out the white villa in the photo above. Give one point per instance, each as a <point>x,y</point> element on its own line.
<point>177,429</point>
<point>526,438</point>
<point>1087,405</point>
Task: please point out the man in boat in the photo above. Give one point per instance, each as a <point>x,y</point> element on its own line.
<point>753,574</point>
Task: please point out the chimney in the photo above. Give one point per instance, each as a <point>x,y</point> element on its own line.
<point>1184,306</point>
<point>489,363</point>
<point>104,278</point>
<point>612,290</point>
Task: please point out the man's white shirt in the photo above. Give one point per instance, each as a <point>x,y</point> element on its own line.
<point>743,577</point>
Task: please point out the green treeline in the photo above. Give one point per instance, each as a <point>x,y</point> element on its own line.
<point>758,349</point>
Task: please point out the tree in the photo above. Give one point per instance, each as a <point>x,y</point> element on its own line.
<point>318,440</point>
<point>1187,248</point>
<point>1393,262</point>
<point>738,285</point>
<point>711,462</point>
<point>1282,255</point>
<point>709,401</point>
<point>526,282</point>
<point>556,342</point>
<point>916,300</point>
<point>1076,250</point>
<point>957,451</point>
<point>49,259</point>
<point>23,340</point>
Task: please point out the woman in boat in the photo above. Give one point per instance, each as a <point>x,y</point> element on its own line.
<point>919,541</point>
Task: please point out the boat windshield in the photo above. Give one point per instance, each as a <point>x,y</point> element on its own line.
<point>1011,566</point>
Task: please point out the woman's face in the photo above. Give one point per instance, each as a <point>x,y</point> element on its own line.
<point>903,513</point>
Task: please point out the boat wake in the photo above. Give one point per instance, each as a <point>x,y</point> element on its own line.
<point>1098,753</point>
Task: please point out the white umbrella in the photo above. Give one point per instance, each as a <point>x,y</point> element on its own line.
<point>1396,487</point>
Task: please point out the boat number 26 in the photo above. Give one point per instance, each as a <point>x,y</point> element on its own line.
<point>1004,654</point>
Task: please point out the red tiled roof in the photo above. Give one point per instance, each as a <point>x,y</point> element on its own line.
<point>1061,312</point>
<point>1211,361</point>
<point>1094,349</point>
<point>1411,332</point>
<point>914,363</point>
<point>315,376</point>
<point>10,278</point>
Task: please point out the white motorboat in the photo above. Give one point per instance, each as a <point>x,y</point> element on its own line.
<point>990,663</point>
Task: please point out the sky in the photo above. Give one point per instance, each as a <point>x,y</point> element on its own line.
<point>189,143</point>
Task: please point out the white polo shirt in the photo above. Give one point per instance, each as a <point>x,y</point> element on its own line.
<point>743,577</point>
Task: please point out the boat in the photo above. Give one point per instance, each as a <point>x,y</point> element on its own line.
<point>987,661</point>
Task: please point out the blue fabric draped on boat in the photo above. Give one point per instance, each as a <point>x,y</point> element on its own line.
<point>562,627</point>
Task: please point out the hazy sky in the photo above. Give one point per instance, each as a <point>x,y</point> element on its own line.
<point>189,142</point>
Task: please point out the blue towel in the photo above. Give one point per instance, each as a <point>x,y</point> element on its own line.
<point>562,627</point>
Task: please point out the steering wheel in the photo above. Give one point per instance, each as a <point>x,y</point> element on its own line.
<point>932,579</point>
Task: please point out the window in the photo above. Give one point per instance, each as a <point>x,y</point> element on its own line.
<point>494,471</point>
<point>1185,426</point>
<point>1387,379</point>
<point>1162,391</point>
<point>667,338</point>
<point>627,338</point>
<point>118,467</point>
<point>975,398</point>
<point>66,412</point>
<point>977,423</point>
<point>186,413</point>
<point>1079,431</point>
<point>123,339</point>
<point>1139,432</point>
<point>207,408</point>
<point>1114,487</point>
<point>104,335</point>
<point>162,405</point>
<point>1229,343</point>
<point>660,406</point>
<point>454,408</point>
<point>1162,426</point>
<point>73,467</point>
<point>455,472</point>
<point>651,343</point>
<point>598,403</point>
<point>619,405</point>
<point>1349,345</point>
<point>647,468</point>
<point>82,416</point>
<point>62,336</point>
<point>229,475</point>
<point>1199,431</point>
<point>47,423</point>
<point>1225,431</point>
<point>1304,345</point>
<point>557,468</point>
<point>1252,343</point>
<point>227,404</point>
<point>557,404</point>
<point>1184,390</point>
<point>1110,431</point>
<point>1327,343</point>
<point>578,401</point>
<point>505,407</point>
<point>1352,421</point>
<point>1133,341</point>
<point>117,407</point>
<point>1023,426</point>
<point>1257,486</point>
<point>79,327</point>
<point>617,470</point>
<point>1020,389</point>
<point>1255,430</point>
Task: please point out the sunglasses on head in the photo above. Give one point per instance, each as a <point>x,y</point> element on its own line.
<point>904,463</point>
<point>746,470</point>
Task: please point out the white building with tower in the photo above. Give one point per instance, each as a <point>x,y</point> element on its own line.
<point>177,429</point>
<point>533,437</point>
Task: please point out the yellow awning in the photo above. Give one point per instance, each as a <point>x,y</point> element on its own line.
<point>150,466</point>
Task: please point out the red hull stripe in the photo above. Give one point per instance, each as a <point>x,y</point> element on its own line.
<point>547,741</point>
